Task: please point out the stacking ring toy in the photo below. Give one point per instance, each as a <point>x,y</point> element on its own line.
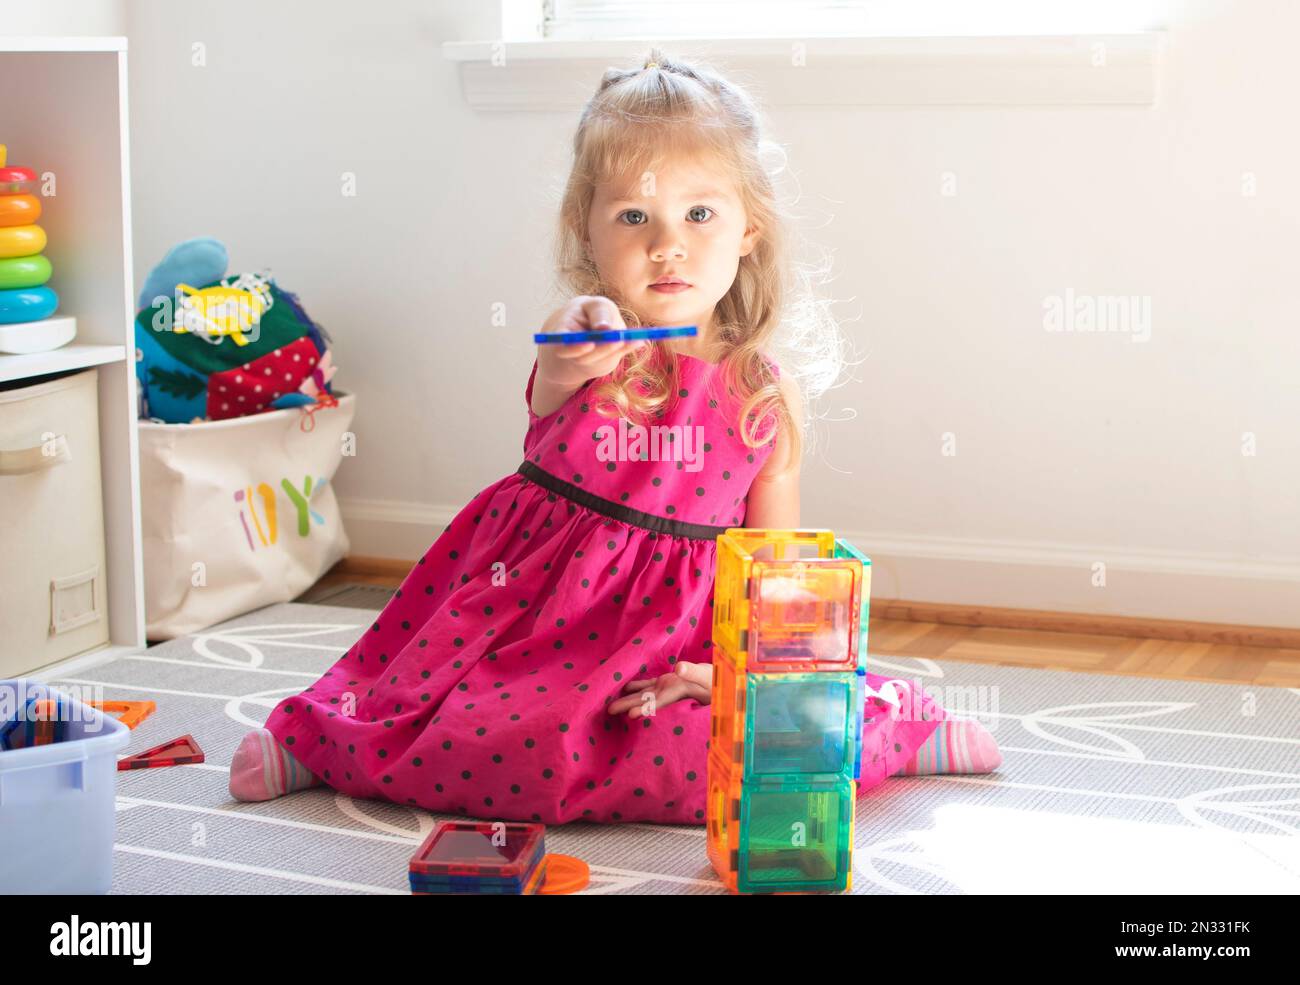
<point>21,241</point>
<point>31,271</point>
<point>27,304</point>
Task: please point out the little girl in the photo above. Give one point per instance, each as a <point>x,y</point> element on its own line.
<point>532,664</point>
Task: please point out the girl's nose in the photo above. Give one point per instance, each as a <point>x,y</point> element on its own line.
<point>660,251</point>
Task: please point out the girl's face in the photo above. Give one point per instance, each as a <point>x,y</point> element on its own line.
<point>684,220</point>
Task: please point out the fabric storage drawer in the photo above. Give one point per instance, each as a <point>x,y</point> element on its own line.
<point>52,581</point>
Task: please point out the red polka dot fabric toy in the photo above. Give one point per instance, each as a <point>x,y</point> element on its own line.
<point>234,346</point>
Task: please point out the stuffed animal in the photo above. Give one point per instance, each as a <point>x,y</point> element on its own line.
<point>211,347</point>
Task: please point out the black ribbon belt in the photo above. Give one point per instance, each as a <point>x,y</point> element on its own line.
<point>617,511</point>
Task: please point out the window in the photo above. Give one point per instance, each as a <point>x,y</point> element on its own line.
<point>599,19</point>
<point>653,19</point>
<point>825,53</point>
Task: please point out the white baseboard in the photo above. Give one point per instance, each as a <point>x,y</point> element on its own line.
<point>388,528</point>
<point>82,662</point>
<point>1047,576</point>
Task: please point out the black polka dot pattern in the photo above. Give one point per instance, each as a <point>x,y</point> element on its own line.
<point>480,690</point>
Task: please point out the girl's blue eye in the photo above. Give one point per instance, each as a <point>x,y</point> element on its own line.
<point>692,213</point>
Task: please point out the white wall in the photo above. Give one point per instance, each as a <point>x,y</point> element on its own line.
<point>1071,449</point>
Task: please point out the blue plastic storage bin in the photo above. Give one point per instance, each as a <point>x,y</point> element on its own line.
<point>57,810</point>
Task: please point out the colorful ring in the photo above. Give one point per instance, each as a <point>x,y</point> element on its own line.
<point>19,210</point>
<point>32,271</point>
<point>26,304</point>
<point>21,241</point>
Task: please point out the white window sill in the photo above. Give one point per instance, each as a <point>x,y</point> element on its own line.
<point>1057,70</point>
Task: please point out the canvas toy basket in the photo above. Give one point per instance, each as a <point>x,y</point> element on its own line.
<point>240,513</point>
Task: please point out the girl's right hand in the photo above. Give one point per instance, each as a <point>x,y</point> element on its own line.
<point>567,367</point>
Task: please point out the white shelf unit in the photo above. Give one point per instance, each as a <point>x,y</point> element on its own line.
<point>66,113</point>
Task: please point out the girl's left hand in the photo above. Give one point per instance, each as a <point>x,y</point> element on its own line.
<point>644,697</point>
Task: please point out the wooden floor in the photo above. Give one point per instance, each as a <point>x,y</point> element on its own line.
<point>1215,663</point>
<point>1098,653</point>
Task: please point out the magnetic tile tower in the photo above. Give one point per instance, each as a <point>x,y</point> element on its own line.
<point>790,614</point>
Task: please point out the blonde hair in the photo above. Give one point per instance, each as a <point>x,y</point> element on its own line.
<point>637,119</point>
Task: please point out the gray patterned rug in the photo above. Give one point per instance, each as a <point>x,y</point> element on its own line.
<point>1109,785</point>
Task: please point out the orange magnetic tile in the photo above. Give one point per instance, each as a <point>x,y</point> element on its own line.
<point>129,713</point>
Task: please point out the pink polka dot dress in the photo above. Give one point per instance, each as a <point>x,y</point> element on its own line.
<point>480,689</point>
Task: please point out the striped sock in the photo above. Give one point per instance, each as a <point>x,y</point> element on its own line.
<point>957,746</point>
<point>262,769</point>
